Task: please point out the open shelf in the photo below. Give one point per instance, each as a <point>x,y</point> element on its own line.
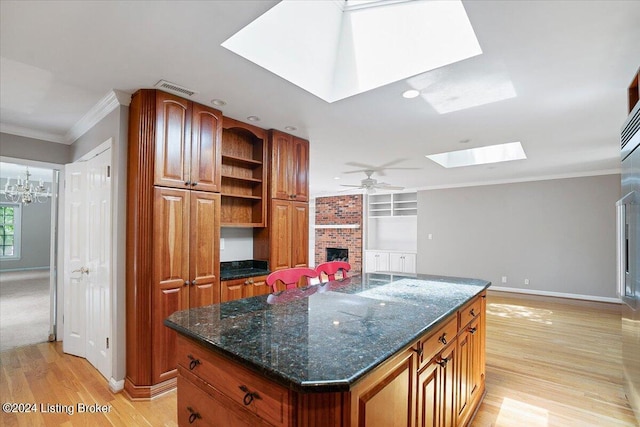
<point>393,204</point>
<point>243,173</point>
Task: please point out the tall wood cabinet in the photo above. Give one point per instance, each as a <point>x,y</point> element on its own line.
<point>173,259</point>
<point>284,243</point>
<point>289,167</point>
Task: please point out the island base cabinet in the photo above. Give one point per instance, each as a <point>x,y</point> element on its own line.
<point>386,397</point>
<point>197,407</point>
<point>438,381</point>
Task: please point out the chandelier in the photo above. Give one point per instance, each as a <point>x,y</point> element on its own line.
<point>25,191</point>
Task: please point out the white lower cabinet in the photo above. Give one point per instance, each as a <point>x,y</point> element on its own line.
<point>401,262</point>
<point>376,261</point>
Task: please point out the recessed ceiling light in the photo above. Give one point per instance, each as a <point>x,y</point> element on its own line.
<point>336,177</point>
<point>218,102</point>
<point>253,118</point>
<point>290,128</point>
<point>411,93</point>
<point>481,155</point>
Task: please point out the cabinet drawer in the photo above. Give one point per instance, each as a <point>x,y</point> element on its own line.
<point>469,312</point>
<point>267,400</point>
<point>439,340</point>
<point>202,405</point>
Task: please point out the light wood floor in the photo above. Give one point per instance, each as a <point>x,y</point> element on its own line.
<point>550,362</point>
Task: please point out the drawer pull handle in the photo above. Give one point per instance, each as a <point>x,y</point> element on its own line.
<point>473,330</point>
<point>194,415</point>
<point>194,362</point>
<point>249,395</point>
<point>443,339</point>
<point>472,313</point>
<point>418,350</point>
<point>187,183</point>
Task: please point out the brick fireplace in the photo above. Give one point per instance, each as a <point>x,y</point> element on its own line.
<point>339,226</point>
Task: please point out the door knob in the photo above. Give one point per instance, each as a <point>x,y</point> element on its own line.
<point>82,270</point>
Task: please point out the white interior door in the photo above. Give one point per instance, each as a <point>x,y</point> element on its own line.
<point>75,287</point>
<point>98,262</point>
<point>87,294</point>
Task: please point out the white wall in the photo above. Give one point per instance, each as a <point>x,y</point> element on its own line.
<point>238,244</point>
<point>559,234</point>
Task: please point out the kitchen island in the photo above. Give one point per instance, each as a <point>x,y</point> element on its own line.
<point>374,350</point>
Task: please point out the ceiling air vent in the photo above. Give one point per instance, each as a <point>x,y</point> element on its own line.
<point>174,88</point>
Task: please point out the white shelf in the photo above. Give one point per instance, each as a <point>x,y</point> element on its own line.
<point>393,205</point>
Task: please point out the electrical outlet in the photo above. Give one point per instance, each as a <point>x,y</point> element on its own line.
<point>222,244</point>
<point>504,279</point>
<point>526,281</point>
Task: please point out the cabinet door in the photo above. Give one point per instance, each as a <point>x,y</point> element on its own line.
<point>409,263</point>
<point>396,262</point>
<point>257,286</point>
<point>382,261</point>
<point>370,261</point>
<point>206,136</point>
<point>387,397</point>
<point>173,141</point>
<point>281,165</point>
<point>204,260</point>
<point>232,290</point>
<point>436,390</point>
<point>469,369</point>
<point>280,235</point>
<point>299,234</point>
<point>300,177</point>
<point>170,274</point>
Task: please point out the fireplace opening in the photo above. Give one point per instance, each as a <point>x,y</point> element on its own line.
<point>338,254</point>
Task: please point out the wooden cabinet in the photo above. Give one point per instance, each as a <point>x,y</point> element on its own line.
<point>436,390</point>
<point>471,365</point>
<point>244,175</point>
<point>173,235</point>
<point>185,264</point>
<point>289,167</point>
<point>285,242</point>
<point>386,398</point>
<point>187,147</point>
<point>242,398</point>
<point>243,288</point>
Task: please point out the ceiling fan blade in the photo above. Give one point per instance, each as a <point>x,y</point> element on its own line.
<point>351,185</point>
<point>386,186</point>
<point>391,163</point>
<point>361,165</point>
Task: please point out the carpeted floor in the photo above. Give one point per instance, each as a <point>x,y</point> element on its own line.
<point>24,309</point>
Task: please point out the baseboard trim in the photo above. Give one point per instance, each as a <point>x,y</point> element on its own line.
<point>116,386</point>
<point>555,294</point>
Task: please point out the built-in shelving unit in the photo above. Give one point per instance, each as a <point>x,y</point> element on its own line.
<point>393,204</point>
<point>243,176</point>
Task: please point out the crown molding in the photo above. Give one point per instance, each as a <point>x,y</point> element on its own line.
<point>106,105</point>
<point>31,133</point>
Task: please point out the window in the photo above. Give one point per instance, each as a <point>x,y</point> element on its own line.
<point>10,231</point>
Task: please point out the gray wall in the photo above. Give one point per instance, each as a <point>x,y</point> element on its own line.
<point>20,147</point>
<point>35,238</point>
<point>559,234</point>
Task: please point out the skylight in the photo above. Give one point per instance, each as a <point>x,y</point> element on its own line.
<point>335,50</point>
<point>479,156</point>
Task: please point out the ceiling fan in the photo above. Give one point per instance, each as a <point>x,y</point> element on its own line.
<point>377,169</point>
<point>371,184</point>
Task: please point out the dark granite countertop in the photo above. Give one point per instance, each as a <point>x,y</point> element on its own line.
<point>327,337</point>
<point>230,270</point>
